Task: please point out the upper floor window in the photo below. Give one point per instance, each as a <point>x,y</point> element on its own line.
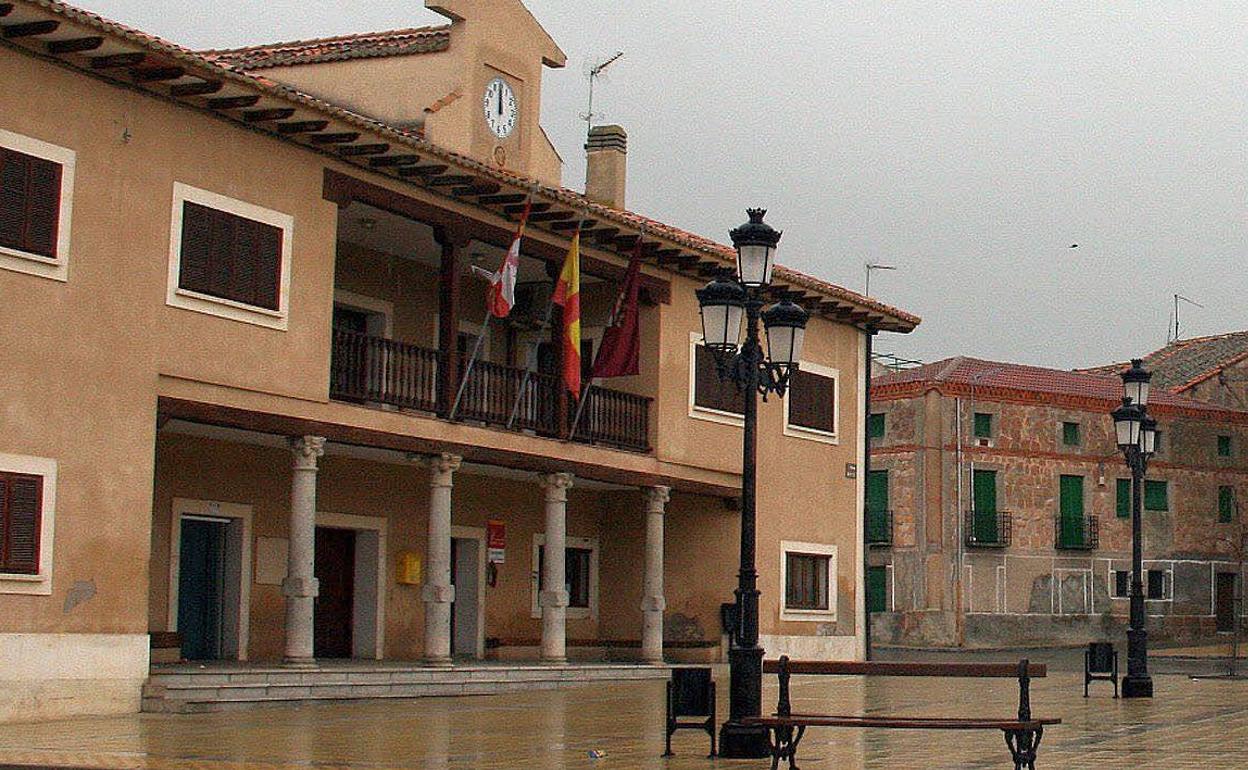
<point>1122,505</point>
<point>712,397</point>
<point>1070,433</point>
<point>983,425</point>
<point>1156,495</point>
<point>811,403</point>
<point>1224,446</point>
<point>229,258</point>
<point>21,507</point>
<point>1226,504</point>
<point>36,184</point>
<point>876,425</point>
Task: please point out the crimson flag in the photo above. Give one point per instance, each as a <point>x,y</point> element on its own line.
<point>620,352</point>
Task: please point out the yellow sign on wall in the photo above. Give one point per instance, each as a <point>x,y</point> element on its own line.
<point>407,569</point>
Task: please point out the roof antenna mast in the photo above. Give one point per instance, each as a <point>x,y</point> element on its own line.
<point>594,72</point>
<point>1178,297</point>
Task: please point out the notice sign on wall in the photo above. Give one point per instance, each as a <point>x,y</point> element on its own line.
<point>496,541</point>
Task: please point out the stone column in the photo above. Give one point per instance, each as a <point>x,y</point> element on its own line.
<point>300,586</point>
<point>438,593</point>
<point>652,602</point>
<point>554,596</point>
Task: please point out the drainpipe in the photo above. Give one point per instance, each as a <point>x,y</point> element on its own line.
<point>957,450</point>
<point>866,477</point>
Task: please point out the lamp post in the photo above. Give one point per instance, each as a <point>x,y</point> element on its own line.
<point>1136,434</point>
<point>723,302</point>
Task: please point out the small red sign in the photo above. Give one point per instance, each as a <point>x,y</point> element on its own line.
<point>496,540</point>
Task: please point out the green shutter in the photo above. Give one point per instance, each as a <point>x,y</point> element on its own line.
<point>1224,446</point>
<point>1156,495</point>
<point>877,589</point>
<point>984,494</point>
<point>1226,504</point>
<point>983,425</point>
<point>1070,433</point>
<point>1070,534</point>
<point>877,507</point>
<point>875,425</point>
<point>1124,499</point>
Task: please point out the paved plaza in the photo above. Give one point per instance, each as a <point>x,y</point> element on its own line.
<point>1197,724</point>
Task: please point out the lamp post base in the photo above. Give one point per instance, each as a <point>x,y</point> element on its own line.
<point>738,741</point>
<point>1137,686</point>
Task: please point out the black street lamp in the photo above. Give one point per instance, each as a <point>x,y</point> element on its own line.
<point>723,302</point>
<point>1136,434</point>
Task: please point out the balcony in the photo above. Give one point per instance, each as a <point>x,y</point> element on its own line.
<point>880,528</point>
<point>987,529</point>
<point>369,369</point>
<point>1080,533</point>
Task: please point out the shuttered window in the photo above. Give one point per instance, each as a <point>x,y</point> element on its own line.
<point>231,257</point>
<point>21,508</point>
<point>983,425</point>
<point>1123,508</point>
<point>812,401</point>
<point>1070,433</point>
<point>30,203</point>
<point>1224,446</point>
<point>1156,495</point>
<point>1226,504</point>
<point>876,425</point>
<point>709,391</point>
<point>806,581</point>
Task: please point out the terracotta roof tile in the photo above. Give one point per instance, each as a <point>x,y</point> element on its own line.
<point>1184,363</point>
<point>990,378</point>
<point>368,45</point>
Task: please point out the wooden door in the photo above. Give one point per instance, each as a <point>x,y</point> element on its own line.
<point>1071,512</point>
<point>201,588</point>
<point>1225,602</point>
<point>335,569</point>
<point>984,493</point>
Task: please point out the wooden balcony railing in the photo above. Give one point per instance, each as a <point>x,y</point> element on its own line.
<point>372,369</point>
<point>365,368</point>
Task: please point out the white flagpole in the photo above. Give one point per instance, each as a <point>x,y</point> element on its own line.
<point>472,361</point>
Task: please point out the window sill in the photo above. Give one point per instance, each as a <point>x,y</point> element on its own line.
<point>811,434</point>
<point>229,309</point>
<point>807,616</point>
<point>16,583</point>
<point>33,264</point>
<point>715,415</point>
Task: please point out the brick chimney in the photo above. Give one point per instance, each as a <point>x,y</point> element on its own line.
<point>606,165</point>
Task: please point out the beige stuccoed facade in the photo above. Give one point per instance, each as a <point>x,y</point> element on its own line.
<point>161,423</point>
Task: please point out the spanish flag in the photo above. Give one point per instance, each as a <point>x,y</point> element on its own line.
<point>568,296</point>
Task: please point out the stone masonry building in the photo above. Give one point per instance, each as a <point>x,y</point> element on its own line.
<point>999,509</point>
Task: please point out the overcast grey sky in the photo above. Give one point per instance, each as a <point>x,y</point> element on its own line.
<point>968,144</point>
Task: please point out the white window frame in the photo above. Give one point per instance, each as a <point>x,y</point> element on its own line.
<point>39,584</point>
<point>702,412</point>
<point>814,434</point>
<point>225,308</point>
<point>573,613</point>
<point>815,549</point>
<point>19,261</point>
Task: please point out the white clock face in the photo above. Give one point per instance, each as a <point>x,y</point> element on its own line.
<point>501,108</point>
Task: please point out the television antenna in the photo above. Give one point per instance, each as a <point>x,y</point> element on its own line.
<point>875,266</point>
<point>1180,298</point>
<point>594,73</point>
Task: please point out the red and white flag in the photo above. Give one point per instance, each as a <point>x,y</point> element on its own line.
<point>501,296</point>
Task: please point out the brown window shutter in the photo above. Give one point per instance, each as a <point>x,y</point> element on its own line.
<point>812,401</point>
<point>12,198</point>
<point>231,257</point>
<point>21,497</point>
<point>710,392</point>
<point>30,203</point>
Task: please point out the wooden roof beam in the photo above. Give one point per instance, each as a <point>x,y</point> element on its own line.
<point>342,137</point>
<point>30,28</point>
<point>601,234</point>
<point>356,150</point>
<point>551,216</point>
<point>423,171</point>
<point>494,200</point>
<point>6,9</point>
<point>519,208</point>
<point>477,188</point>
<point>269,115</point>
<point>196,89</point>
<point>449,180</point>
<point>233,102</point>
<point>572,224</point>
<point>74,45</point>
<point>113,61</point>
<point>156,74</point>
<point>302,127</point>
<point>667,256</point>
<point>394,160</point>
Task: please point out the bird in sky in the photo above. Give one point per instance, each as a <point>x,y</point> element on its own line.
<point>1074,245</point>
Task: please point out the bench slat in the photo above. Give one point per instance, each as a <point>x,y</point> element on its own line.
<point>903,723</point>
<point>888,668</point>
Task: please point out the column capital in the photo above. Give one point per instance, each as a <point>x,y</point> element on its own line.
<point>306,450</point>
<point>656,497</point>
<point>555,482</point>
<point>440,466</point>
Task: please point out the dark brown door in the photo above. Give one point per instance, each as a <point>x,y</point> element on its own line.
<point>1225,601</point>
<point>335,569</point>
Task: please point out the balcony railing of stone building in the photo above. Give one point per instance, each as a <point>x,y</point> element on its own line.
<point>1078,533</point>
<point>987,529</point>
<point>879,528</point>
<point>368,369</point>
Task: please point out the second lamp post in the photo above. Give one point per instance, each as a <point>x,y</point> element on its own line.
<point>1137,438</point>
<point>724,302</point>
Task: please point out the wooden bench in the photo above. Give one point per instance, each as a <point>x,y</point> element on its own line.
<point>1022,733</point>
